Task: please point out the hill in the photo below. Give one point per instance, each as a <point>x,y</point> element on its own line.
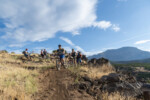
<point>123,54</point>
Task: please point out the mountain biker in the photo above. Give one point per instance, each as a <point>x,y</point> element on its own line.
<point>42,53</point>
<point>61,54</point>
<point>79,55</point>
<point>26,54</point>
<point>45,53</point>
<point>73,55</point>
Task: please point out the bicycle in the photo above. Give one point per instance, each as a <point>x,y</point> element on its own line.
<point>59,63</point>
<point>72,62</point>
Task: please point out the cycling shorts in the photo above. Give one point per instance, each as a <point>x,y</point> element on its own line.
<point>62,56</point>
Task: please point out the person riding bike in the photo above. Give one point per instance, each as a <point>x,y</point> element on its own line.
<point>79,56</point>
<point>73,55</point>
<point>61,54</point>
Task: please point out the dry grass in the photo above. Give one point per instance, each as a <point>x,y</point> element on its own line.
<point>15,80</point>
<point>96,72</point>
<point>115,96</point>
<point>93,72</point>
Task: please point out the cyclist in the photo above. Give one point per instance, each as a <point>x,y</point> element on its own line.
<point>45,53</point>
<point>79,56</point>
<point>73,55</point>
<point>61,54</point>
<point>26,54</point>
<point>42,53</point>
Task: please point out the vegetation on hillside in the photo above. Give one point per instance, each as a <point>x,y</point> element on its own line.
<point>19,80</point>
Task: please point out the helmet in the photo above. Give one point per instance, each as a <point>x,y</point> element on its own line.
<point>59,45</point>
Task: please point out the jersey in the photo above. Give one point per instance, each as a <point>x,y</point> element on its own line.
<point>73,54</point>
<point>60,52</point>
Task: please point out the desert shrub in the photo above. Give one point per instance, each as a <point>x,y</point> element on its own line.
<point>3,51</point>
<point>115,96</point>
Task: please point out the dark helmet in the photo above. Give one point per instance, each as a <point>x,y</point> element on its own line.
<point>26,49</point>
<point>59,45</point>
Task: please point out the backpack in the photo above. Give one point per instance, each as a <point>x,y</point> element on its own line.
<point>23,52</point>
<point>79,55</point>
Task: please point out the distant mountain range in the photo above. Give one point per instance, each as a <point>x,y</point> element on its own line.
<point>123,54</point>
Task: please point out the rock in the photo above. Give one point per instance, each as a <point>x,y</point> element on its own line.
<point>102,61</point>
<point>146,95</point>
<point>92,61</point>
<point>99,62</point>
<point>102,79</point>
<point>84,58</point>
<point>85,78</point>
<point>111,87</point>
<point>84,85</point>
<point>113,77</point>
<point>125,84</point>
<point>145,87</point>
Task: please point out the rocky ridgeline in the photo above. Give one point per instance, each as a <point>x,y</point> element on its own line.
<point>98,62</point>
<point>124,83</point>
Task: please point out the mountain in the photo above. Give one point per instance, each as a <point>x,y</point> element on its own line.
<point>123,54</point>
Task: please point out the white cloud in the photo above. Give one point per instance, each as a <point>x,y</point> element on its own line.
<point>38,20</point>
<point>16,45</point>
<point>78,48</point>
<point>144,48</point>
<point>142,42</point>
<point>102,24</point>
<point>116,28</point>
<point>38,49</point>
<point>67,41</point>
<point>68,49</point>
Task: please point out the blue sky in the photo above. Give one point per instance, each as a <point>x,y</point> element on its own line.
<point>90,26</point>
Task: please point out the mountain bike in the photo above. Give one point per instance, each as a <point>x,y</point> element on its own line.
<point>60,63</point>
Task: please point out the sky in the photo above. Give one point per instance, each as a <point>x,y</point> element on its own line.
<point>89,26</point>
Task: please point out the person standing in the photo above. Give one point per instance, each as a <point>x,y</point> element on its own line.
<point>45,53</point>
<point>73,55</point>
<point>79,56</point>
<point>42,54</point>
<point>61,54</point>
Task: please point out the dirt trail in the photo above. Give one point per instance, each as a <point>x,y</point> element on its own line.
<point>56,85</point>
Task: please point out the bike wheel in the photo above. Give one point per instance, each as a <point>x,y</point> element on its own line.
<point>66,65</point>
<point>57,65</point>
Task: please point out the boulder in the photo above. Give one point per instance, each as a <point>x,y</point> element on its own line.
<point>92,61</point>
<point>102,61</point>
<point>85,78</point>
<point>145,87</point>
<point>113,77</point>
<point>146,95</point>
<point>84,58</point>
<point>84,85</point>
